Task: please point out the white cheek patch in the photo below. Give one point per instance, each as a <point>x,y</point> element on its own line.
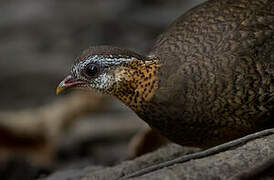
<point>104,82</point>
<point>102,61</point>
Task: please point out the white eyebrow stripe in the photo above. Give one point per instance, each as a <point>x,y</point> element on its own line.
<point>101,60</point>
<point>111,60</point>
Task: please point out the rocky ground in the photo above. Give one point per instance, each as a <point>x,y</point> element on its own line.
<point>39,40</point>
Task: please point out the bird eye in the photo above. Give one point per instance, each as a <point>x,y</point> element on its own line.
<point>91,71</point>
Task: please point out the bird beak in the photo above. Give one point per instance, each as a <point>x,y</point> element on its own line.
<point>68,82</point>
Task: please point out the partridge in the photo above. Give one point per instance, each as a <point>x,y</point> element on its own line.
<point>208,78</point>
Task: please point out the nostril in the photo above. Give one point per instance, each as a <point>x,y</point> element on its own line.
<point>68,79</point>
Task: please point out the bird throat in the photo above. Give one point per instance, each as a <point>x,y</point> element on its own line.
<point>137,83</point>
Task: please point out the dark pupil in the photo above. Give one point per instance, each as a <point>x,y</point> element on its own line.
<point>91,70</point>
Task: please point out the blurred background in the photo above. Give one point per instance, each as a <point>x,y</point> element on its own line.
<point>39,39</point>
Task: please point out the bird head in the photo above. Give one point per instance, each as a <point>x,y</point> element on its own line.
<point>103,68</point>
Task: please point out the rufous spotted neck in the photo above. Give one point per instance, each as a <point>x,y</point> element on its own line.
<point>139,80</point>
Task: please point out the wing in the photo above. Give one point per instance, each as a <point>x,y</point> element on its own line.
<point>219,57</point>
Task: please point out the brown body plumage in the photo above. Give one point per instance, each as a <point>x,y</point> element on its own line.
<point>208,78</point>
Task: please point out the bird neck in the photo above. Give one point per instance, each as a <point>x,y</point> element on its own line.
<point>138,82</point>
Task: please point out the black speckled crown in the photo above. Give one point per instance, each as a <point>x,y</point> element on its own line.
<point>108,51</point>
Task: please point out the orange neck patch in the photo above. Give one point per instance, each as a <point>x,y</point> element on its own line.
<point>137,83</point>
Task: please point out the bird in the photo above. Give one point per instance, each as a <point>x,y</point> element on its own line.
<point>208,78</point>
